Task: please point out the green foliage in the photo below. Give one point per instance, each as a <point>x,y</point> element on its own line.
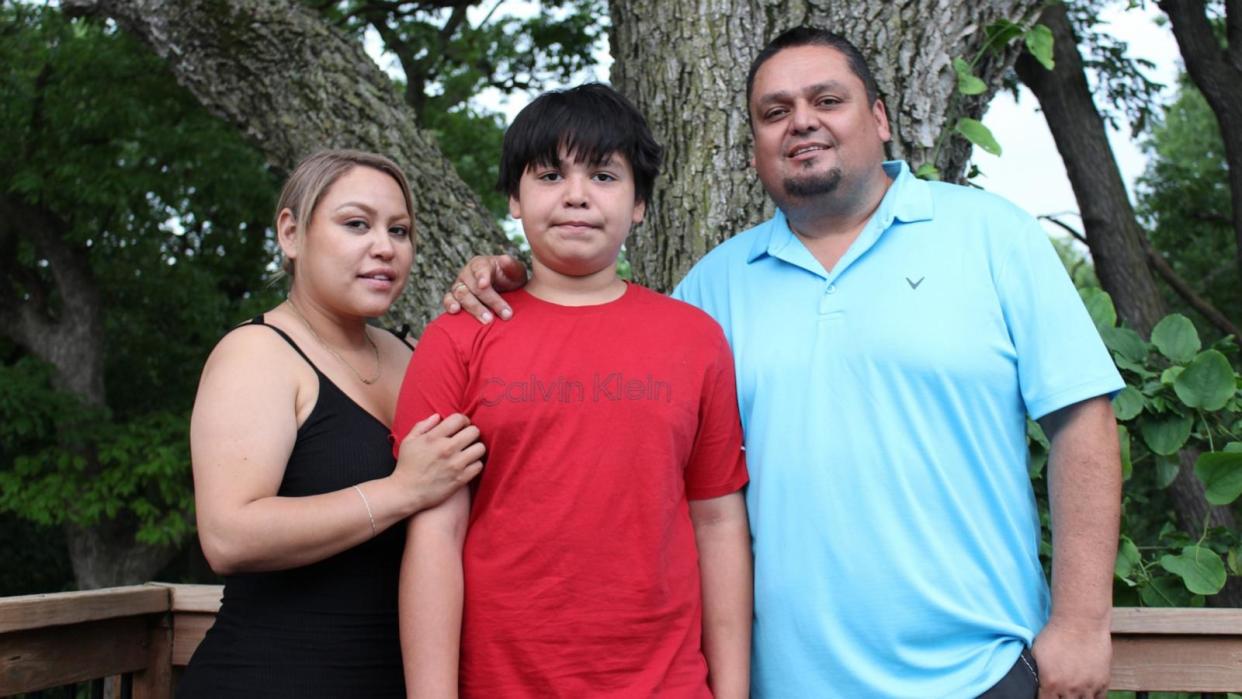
<point>143,461</point>
<point>1200,569</point>
<point>1038,41</point>
<point>1221,473</point>
<point>450,55</point>
<point>967,83</point>
<point>1178,396</point>
<point>1119,81</point>
<point>978,134</point>
<point>169,207</point>
<point>1183,200</point>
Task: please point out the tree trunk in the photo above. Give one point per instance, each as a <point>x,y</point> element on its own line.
<point>684,64</point>
<point>1112,231</point>
<point>293,85</point>
<point>68,334</point>
<point>1214,69</point>
<point>106,555</point>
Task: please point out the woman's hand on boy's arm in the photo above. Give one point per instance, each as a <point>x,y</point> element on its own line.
<point>722,535</point>
<point>479,284</point>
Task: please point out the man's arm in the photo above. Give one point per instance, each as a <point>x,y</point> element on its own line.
<point>430,598</point>
<point>478,285</point>
<point>1074,651</point>
<point>723,538</point>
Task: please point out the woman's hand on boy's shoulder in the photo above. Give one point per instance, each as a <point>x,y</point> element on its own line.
<point>479,284</point>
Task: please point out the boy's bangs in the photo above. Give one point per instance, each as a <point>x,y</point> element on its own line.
<point>591,141</point>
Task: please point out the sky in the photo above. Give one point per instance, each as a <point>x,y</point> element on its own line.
<point>1029,172</point>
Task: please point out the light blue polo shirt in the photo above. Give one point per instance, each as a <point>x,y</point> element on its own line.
<point>884,402</point>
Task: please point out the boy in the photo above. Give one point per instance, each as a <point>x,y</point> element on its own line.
<point>607,551</point>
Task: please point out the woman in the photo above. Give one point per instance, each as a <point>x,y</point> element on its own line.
<point>296,488</point>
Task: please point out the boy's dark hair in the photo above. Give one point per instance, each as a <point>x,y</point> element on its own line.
<point>591,121</point>
<point>812,36</point>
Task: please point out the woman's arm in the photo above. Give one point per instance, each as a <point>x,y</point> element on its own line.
<point>241,435</point>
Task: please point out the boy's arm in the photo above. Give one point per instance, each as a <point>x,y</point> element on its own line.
<point>722,534</point>
<point>430,597</point>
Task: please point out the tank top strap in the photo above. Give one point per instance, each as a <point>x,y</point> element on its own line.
<point>402,333</point>
<point>258,320</point>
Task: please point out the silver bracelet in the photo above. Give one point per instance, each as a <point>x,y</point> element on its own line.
<point>370,515</point>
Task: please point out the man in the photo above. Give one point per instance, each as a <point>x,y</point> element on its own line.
<point>890,338</point>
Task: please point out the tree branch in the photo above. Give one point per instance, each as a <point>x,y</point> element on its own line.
<point>1188,294</point>
<point>294,84</point>
<point>1162,267</point>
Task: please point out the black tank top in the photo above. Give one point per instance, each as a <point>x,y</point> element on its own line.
<point>328,629</point>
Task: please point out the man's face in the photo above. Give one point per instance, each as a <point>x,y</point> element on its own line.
<point>815,131</point>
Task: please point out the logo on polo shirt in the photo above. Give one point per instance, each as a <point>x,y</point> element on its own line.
<point>914,284</point>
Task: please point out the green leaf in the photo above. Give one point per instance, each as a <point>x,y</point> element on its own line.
<point>1165,434</point>
<point>1166,471</point>
<point>1133,367</point>
<point>927,171</point>
<point>1128,558</point>
<point>1035,465</point>
<point>1127,465</point>
<point>1165,591</point>
<point>1128,403</point>
<point>1208,382</point>
<point>1001,32</point>
<point>1125,342</point>
<point>1168,376</point>
<point>1039,43</point>
<point>1176,338</point>
<point>1035,432</point>
<point>1100,306</point>
<point>978,134</point>
<point>967,82</point>
<point>1221,473</point>
<point>1235,560</point>
<point>1201,569</point>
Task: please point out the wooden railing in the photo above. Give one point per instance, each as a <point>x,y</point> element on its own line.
<point>142,635</point>
<point>137,636</point>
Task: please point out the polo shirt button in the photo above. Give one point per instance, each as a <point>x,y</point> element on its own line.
<point>832,289</point>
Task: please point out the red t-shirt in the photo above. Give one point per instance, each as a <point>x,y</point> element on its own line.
<point>581,572</point>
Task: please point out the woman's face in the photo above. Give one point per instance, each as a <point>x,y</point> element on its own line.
<point>357,248</point>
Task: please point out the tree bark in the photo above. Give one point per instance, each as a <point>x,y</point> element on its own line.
<point>294,85</point>
<point>1113,234</point>
<point>684,64</point>
<point>1217,72</point>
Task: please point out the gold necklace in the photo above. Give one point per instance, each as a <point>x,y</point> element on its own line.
<point>378,367</point>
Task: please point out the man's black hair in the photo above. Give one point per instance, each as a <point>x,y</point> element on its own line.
<point>812,36</point>
<point>590,121</point>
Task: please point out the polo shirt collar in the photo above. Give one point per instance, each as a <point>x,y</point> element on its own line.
<point>908,199</point>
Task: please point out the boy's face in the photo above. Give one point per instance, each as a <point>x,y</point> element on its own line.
<point>576,216</point>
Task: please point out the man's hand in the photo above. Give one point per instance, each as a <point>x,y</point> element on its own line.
<point>1074,659</point>
<point>478,286</point>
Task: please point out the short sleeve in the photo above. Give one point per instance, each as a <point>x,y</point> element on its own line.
<point>1061,358</point>
<point>717,463</point>
<point>435,381</point>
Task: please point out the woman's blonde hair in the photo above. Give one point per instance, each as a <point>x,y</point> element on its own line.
<point>316,173</point>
